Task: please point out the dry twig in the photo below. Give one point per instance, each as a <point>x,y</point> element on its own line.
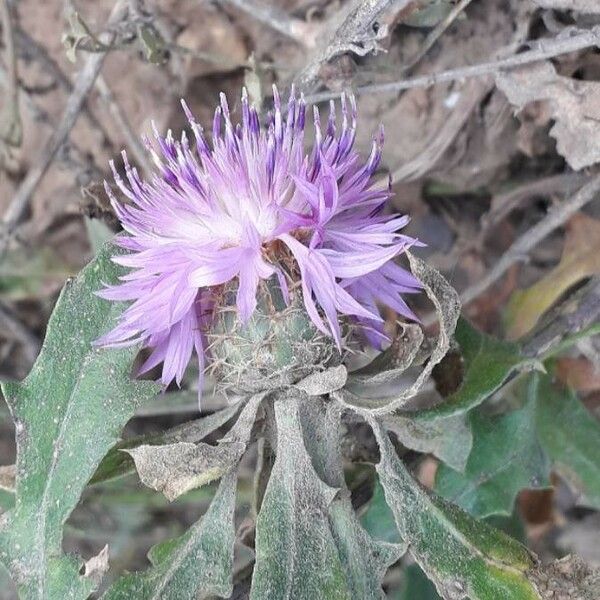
<point>555,218</point>
<point>122,122</point>
<point>546,49</point>
<point>85,81</point>
<point>439,30</point>
<point>11,130</point>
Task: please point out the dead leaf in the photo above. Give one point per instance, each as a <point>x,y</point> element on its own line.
<point>580,259</point>
<point>8,475</point>
<point>324,382</point>
<point>97,566</point>
<point>585,6</point>
<point>174,469</point>
<point>578,373</point>
<point>574,104</point>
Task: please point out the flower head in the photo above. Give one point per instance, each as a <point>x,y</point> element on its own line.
<point>252,207</point>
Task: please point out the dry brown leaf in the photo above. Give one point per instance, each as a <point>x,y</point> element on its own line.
<point>585,6</point>
<point>580,259</point>
<point>574,104</point>
<point>578,373</point>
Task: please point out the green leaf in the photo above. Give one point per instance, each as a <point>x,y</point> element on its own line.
<point>309,543</point>
<point>570,436</point>
<point>488,363</point>
<point>505,459</point>
<point>196,565</point>
<point>462,556</point>
<point>68,412</point>
<point>378,519</point>
<point>415,586</point>
<point>448,438</point>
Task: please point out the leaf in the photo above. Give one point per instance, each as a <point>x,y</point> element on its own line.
<point>415,586</point>
<point>174,469</point>
<point>448,438</point>
<point>465,558</point>
<point>447,306</point>
<point>68,412</point>
<point>584,6</point>
<point>573,104</point>
<point>309,543</point>
<point>570,436</point>
<point>378,519</point>
<point>118,464</point>
<point>506,458</point>
<point>196,565</point>
<point>580,259</point>
<point>324,382</point>
<point>488,363</point>
<point>364,559</point>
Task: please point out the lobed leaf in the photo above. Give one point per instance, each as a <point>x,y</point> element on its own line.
<point>465,558</point>
<point>309,543</point>
<point>505,459</point>
<point>194,566</point>
<point>174,469</point>
<point>68,412</point>
<point>488,363</point>
<point>570,436</point>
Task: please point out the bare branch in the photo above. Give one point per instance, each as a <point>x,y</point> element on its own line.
<point>555,218</point>
<point>11,130</point>
<point>546,49</point>
<point>83,84</point>
<point>122,122</point>
<point>274,18</point>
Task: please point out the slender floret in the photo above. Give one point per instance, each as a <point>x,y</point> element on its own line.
<point>249,207</point>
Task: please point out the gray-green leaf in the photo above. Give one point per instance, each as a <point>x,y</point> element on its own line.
<point>174,469</point>
<point>488,363</point>
<point>465,558</point>
<point>309,543</point>
<point>68,412</point>
<point>448,438</point>
<point>196,565</point>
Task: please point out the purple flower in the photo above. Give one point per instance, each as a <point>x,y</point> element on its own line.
<point>243,209</point>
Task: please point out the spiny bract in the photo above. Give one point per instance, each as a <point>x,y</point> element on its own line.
<point>255,206</point>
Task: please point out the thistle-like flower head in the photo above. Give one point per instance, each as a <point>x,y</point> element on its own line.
<point>253,206</point>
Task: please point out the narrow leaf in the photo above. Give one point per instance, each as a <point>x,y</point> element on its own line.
<point>465,558</point>
<point>68,412</point>
<point>196,565</point>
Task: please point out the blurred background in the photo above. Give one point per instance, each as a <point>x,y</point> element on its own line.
<point>476,163</point>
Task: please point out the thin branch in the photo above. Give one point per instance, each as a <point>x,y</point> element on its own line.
<point>546,49</point>
<point>122,122</point>
<point>273,17</point>
<point>437,33</point>
<point>359,28</point>
<point>83,84</point>
<point>555,218</point>
<point>11,130</point>
<point>10,321</point>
